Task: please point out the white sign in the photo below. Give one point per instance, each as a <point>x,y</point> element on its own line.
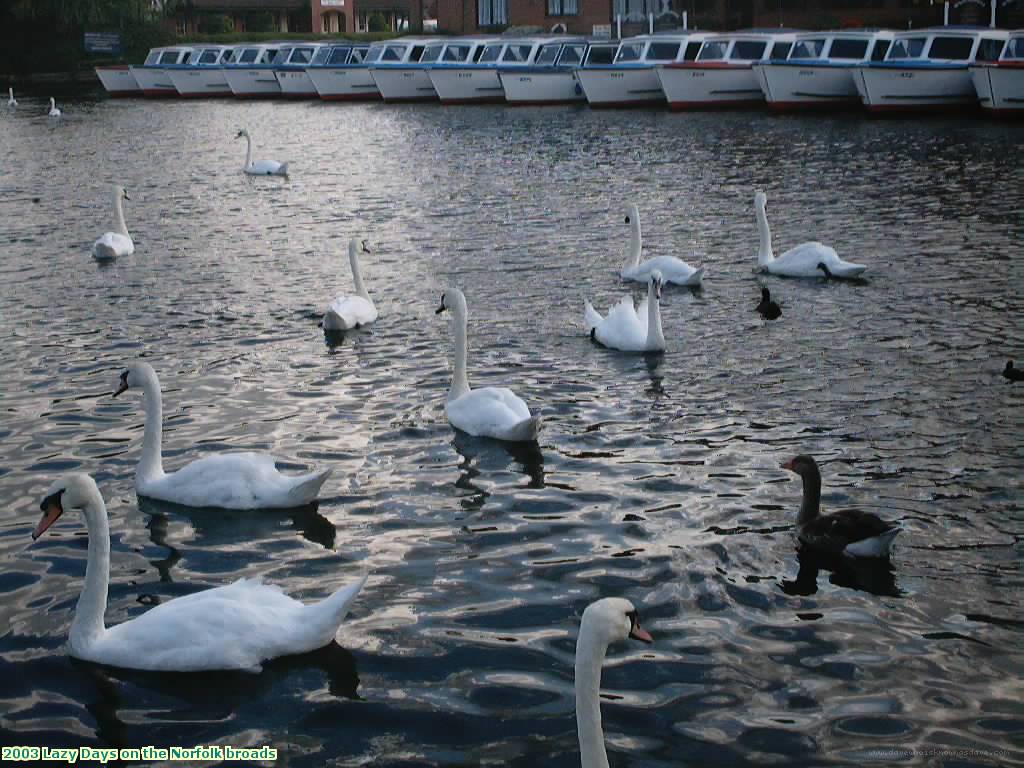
<point>332,3</point>
<point>602,30</point>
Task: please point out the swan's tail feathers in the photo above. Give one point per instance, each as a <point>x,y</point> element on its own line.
<point>282,169</point>
<point>326,616</point>
<point>103,252</point>
<point>525,431</point>
<point>847,269</point>
<point>876,546</point>
<point>697,278</point>
<point>308,486</point>
<point>591,317</point>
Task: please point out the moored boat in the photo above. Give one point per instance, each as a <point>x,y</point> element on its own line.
<point>1000,84</point>
<point>250,73</point>
<point>819,71</point>
<point>152,75</point>
<point>552,77</point>
<point>466,71</point>
<point>339,72</point>
<point>926,70</point>
<point>631,79</point>
<point>290,70</point>
<point>118,80</point>
<point>399,75</point>
<point>201,74</point>
<point>722,75</point>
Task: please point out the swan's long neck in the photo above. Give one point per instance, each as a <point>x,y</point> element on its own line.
<point>87,625</point>
<point>589,657</point>
<point>119,225</point>
<point>635,242</point>
<point>811,504</point>
<point>357,278</point>
<point>655,335</point>
<point>764,251</point>
<point>460,382</point>
<point>248,151</point>
<point>151,464</point>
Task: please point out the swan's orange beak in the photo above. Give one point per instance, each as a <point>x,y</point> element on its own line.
<point>51,511</point>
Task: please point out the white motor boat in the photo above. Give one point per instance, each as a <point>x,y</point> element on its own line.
<point>290,70</point>
<point>250,73</point>
<point>927,70</point>
<point>339,72</point>
<point>466,70</point>
<point>201,74</point>
<point>1000,84</point>
<point>722,75</point>
<point>118,80</point>
<point>399,75</point>
<point>819,71</point>
<point>152,75</point>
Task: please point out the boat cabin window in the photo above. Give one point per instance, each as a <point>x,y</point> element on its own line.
<point>808,49</point>
<point>268,56</point>
<point>1015,48</point>
<point>152,58</point>
<point>230,57</point>
<point>248,56</point>
<point>847,48</point>
<point>955,48</point>
<point>431,53</point>
<point>339,56</point>
<point>416,53</point>
<point>989,49</point>
<point>663,51</point>
<point>456,53</point>
<point>281,56</point>
<point>781,50</point>
<point>372,55</point>
<point>517,54</point>
<point>573,54</point>
<point>393,53</point>
<point>358,55</point>
<point>713,50</point>
<point>629,52</point>
<point>907,48</point>
<point>491,53</point>
<point>748,50</point>
<point>692,49</point>
<point>169,57</point>
<point>209,57</point>
<point>881,48</point>
<point>547,54</point>
<point>301,56</point>
<point>323,55</point>
<point>600,54</point>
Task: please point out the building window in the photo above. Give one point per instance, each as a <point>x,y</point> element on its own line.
<point>563,7</point>
<point>179,27</point>
<point>635,10</point>
<point>492,12</point>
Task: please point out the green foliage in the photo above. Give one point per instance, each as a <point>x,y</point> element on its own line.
<point>258,37</point>
<point>377,23</point>
<point>259,22</point>
<point>216,24</point>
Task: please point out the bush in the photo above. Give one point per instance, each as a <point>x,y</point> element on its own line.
<point>377,23</point>
<point>260,22</point>
<point>216,24</point>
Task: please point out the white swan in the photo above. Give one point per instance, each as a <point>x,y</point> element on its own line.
<point>260,167</point>
<point>673,270</point>
<point>54,112</point>
<point>235,627</point>
<point>348,312</point>
<point>11,101</point>
<point>488,412</point>
<point>604,622</point>
<point>811,259</point>
<point>226,481</point>
<point>119,242</point>
<point>628,329</point>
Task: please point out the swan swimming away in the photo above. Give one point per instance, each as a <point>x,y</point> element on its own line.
<point>626,328</point>
<point>673,270</point>
<point>805,260</point>
<point>225,480</point>
<point>347,312</point>
<point>489,411</point>
<point>11,101</point>
<point>54,112</point>
<point>604,622</point>
<point>119,242</point>
<point>234,627</point>
<point>260,167</point>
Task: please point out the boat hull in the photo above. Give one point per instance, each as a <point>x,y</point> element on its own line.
<point>200,82</point>
<point>295,84</point>
<point>621,87</point>
<point>796,87</point>
<point>1000,88</point>
<point>463,85</point>
<point>404,83</point>
<point>691,86</point>
<point>904,90</point>
<point>118,80</point>
<point>252,82</point>
<point>554,87</point>
<point>154,82</point>
<point>344,83</point>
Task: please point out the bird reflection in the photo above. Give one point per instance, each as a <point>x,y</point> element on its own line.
<point>874,575</point>
<point>216,527</point>
<point>335,340</point>
<point>204,697</point>
<point>653,363</point>
<point>479,453</point>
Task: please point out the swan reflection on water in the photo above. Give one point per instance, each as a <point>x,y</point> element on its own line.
<point>481,454</point>
<point>874,575</point>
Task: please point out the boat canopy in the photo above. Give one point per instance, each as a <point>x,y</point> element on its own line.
<point>339,55</point>
<point>659,48</point>
<point>745,48</point>
<point>842,46</point>
<point>159,57</point>
<point>944,44</point>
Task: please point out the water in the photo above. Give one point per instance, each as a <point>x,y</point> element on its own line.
<point>656,479</point>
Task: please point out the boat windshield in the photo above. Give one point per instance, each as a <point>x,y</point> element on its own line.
<point>748,50</point>
<point>301,55</point>
<point>547,54</point>
<point>169,57</point>
<point>808,49</point>
<point>629,52</point>
<point>491,53</point>
<point>989,49</point>
<point>517,53</point>
<point>572,55</point>
<point>456,53</point>
<point>951,48</point>
<point>209,56</point>
<point>692,49</point>
<point>880,49</point>
<point>1015,49</point>
<point>848,48</point>
<point>358,55</point>
<point>781,50</point>
<point>713,50</point>
<point>339,55</point>
<point>600,54</point>
<point>268,56</point>
<point>393,53</point>
<point>907,48</point>
<point>373,54</point>
<point>280,57</point>
<point>431,53</point>
<point>663,51</point>
<point>152,58</point>
<point>248,56</point>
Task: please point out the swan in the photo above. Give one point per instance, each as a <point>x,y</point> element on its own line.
<point>54,112</point>
<point>225,481</point>
<point>11,101</point>
<point>119,242</point>
<point>490,411</point>
<point>768,309</point>
<point>348,312</point>
<point>673,270</point>
<point>234,627</point>
<point>805,260</point>
<point>260,167</point>
<point>628,329</point>
<point>849,531</point>
<point>604,622</point>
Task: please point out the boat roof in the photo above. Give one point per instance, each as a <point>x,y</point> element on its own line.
<point>858,32</point>
<point>681,35</point>
<point>755,33</point>
<point>955,29</point>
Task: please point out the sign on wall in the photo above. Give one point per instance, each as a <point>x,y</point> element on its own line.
<point>102,42</point>
<point>602,30</point>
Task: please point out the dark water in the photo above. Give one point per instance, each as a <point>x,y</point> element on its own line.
<point>656,479</point>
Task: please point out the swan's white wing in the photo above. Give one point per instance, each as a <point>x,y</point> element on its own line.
<point>487,412</point>
<point>348,312</point>
<point>623,328</point>
<point>803,260</point>
<point>591,317</point>
<point>267,168</point>
<point>112,245</point>
<point>672,270</point>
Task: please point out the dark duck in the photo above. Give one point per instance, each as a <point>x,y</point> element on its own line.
<point>768,309</point>
<point>1011,373</point>
<point>849,532</point>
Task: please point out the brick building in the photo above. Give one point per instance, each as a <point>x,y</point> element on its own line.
<point>349,16</point>
<point>199,16</point>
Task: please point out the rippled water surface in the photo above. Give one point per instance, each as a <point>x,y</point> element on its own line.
<point>655,479</point>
